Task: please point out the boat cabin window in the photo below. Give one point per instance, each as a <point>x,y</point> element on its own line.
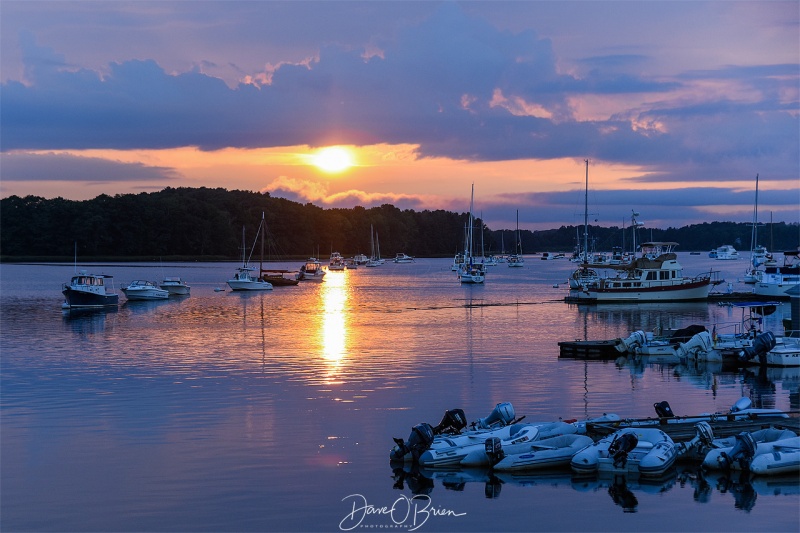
<point>651,276</point>
<point>664,275</point>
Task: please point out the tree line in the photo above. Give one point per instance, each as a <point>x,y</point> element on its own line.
<point>207,224</point>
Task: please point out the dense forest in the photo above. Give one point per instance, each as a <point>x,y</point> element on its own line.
<point>206,224</point>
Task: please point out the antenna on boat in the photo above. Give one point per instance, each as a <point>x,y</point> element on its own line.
<point>75,259</point>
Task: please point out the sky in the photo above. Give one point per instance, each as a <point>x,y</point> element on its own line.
<point>676,106</point>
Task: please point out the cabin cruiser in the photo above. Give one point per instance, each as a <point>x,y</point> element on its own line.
<point>336,262</point>
<point>311,271</point>
<point>726,252</point>
<point>656,276</point>
<point>775,281</point>
<point>144,290</point>
<point>175,286</point>
<point>89,291</point>
<point>403,258</point>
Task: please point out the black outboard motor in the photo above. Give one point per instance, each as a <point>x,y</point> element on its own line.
<point>494,450</point>
<point>620,447</point>
<point>761,345</point>
<point>742,452</point>
<point>663,410</point>
<point>452,423</point>
<point>418,442</point>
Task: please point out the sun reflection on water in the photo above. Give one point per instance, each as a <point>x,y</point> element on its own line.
<point>335,290</point>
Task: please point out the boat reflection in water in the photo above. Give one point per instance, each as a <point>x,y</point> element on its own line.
<point>87,321</point>
<point>625,491</point>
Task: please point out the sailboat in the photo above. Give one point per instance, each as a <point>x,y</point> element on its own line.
<point>584,276</point>
<point>516,259</point>
<point>758,253</point>
<point>470,271</point>
<point>242,280</point>
<point>375,249</point>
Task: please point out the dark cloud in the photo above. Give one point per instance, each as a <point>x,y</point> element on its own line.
<point>66,167</point>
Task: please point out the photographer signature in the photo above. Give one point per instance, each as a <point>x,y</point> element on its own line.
<point>411,513</point>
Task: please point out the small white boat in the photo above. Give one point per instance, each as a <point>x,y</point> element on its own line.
<point>726,252</point>
<point>780,455</point>
<point>403,258</point>
<point>243,281</point>
<point>648,452</point>
<point>548,452</point>
<point>175,286</point>
<point>336,262</point>
<point>458,451</point>
<point>144,290</point>
<point>311,271</point>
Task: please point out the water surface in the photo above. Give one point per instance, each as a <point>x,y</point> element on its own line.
<point>275,411</point>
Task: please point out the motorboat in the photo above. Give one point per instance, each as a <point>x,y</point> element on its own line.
<point>448,432</point>
<point>144,290</point>
<point>175,286</point>
<point>551,452</point>
<point>775,281</point>
<point>656,276</point>
<point>243,280</point>
<point>277,278</point>
<point>312,270</point>
<point>769,452</point>
<point>726,252</point>
<point>336,262</point>
<point>648,452</point>
<point>769,350</point>
<point>460,448</point>
<point>360,259</point>
<point>403,258</point>
<point>89,291</point>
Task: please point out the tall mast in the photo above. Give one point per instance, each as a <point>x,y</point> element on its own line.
<point>586,216</point>
<point>263,231</point>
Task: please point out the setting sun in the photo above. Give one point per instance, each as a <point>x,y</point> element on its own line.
<point>333,159</point>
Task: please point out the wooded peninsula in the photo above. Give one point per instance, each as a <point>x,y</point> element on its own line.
<point>205,224</point>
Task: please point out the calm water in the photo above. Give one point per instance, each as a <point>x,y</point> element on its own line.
<point>276,411</point>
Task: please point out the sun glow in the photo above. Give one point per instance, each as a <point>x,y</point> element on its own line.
<point>333,159</point>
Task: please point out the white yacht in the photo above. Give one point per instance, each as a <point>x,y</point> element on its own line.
<point>175,286</point>
<point>144,290</point>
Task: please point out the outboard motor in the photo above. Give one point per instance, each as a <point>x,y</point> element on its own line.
<point>620,447</point>
<point>702,342</point>
<point>741,404</point>
<point>663,410</point>
<point>761,345</point>
<point>501,415</point>
<point>452,423</point>
<point>629,345</point>
<point>704,437</point>
<point>742,452</point>
<point>418,442</point>
<point>494,450</point>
